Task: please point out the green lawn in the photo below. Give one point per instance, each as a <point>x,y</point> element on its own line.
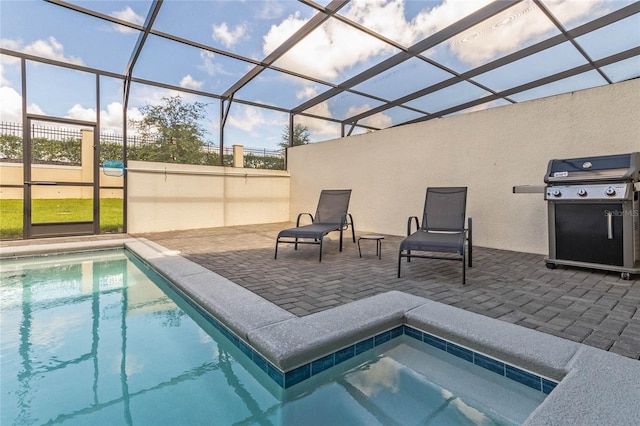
<point>60,210</point>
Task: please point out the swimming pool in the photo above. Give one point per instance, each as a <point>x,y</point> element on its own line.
<point>100,339</point>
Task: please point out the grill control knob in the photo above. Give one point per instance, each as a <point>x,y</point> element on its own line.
<point>582,192</point>
<point>610,191</point>
<point>556,193</point>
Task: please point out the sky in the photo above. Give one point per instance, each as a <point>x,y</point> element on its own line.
<point>332,54</point>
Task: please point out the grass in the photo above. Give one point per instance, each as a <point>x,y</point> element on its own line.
<point>59,210</point>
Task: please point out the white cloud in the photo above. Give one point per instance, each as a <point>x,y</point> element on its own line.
<point>35,109</point>
<point>79,112</point>
<point>387,18</point>
<point>316,126</point>
<point>110,118</point>
<point>189,83</point>
<point>434,20</point>
<point>11,45</point>
<point>323,53</point>
<point>208,64</point>
<point>49,48</point>
<point>245,118</point>
<point>306,92</point>
<point>127,14</point>
<point>3,80</point>
<point>511,29</point>
<point>270,10</point>
<point>378,120</point>
<point>10,105</point>
<point>228,37</point>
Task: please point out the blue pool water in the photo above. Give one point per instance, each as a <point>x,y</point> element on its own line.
<point>99,339</point>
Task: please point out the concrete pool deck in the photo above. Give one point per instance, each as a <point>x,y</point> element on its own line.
<point>595,386</point>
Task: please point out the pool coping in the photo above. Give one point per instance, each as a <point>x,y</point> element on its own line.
<point>595,386</point>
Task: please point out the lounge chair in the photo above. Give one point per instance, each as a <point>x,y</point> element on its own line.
<point>442,229</point>
<point>331,215</point>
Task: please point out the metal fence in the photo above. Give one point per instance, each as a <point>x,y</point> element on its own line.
<point>13,129</point>
<point>62,133</point>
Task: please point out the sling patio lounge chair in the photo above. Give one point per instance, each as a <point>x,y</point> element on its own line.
<point>442,229</point>
<point>331,215</point>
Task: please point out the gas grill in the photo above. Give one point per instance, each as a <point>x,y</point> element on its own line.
<point>594,213</point>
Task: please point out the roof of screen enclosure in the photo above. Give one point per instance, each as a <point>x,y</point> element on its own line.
<point>348,62</point>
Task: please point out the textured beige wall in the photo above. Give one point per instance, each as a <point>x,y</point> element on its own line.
<point>488,151</point>
<point>190,197</point>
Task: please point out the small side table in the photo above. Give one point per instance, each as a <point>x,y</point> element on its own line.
<point>378,239</point>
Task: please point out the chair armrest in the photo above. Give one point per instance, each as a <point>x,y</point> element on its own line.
<point>415,218</point>
<point>302,214</point>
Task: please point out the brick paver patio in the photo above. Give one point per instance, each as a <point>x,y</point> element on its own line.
<point>596,308</point>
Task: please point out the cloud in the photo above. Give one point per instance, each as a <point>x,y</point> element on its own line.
<point>228,37</point>
<point>269,10</point>
<point>127,14</point>
<point>189,83</point>
<point>208,65</point>
<point>387,18</point>
<point>511,29</point>
<point>79,112</point>
<point>306,92</point>
<point>316,126</point>
<point>503,33</point>
<point>3,80</point>
<point>378,120</point>
<point>323,53</point>
<point>49,48</point>
<point>110,118</point>
<point>10,105</point>
<point>246,118</point>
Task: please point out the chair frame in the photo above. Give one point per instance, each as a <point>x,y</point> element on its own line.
<point>467,240</point>
<point>316,236</point>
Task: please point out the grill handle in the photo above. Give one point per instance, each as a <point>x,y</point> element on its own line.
<point>610,225</point>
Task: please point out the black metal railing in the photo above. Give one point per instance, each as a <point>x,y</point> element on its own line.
<point>11,147</point>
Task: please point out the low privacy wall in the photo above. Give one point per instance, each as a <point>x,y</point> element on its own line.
<point>488,151</point>
<point>164,197</point>
<point>13,174</point>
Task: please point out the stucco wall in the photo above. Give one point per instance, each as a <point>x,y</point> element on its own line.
<point>13,174</point>
<point>488,151</point>
<point>164,197</point>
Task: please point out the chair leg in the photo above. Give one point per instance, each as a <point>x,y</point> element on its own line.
<point>464,267</point>
<point>470,242</point>
<point>320,259</point>
<point>353,229</point>
<point>399,263</point>
<point>276,255</point>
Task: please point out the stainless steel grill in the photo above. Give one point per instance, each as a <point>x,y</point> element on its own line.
<point>594,212</point>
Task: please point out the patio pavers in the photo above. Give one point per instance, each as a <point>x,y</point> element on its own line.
<point>593,307</point>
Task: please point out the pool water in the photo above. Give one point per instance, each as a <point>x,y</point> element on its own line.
<point>97,338</point>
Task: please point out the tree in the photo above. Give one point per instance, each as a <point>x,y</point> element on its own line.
<point>172,131</point>
<point>300,136</point>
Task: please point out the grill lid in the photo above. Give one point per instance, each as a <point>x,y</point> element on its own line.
<point>621,167</point>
